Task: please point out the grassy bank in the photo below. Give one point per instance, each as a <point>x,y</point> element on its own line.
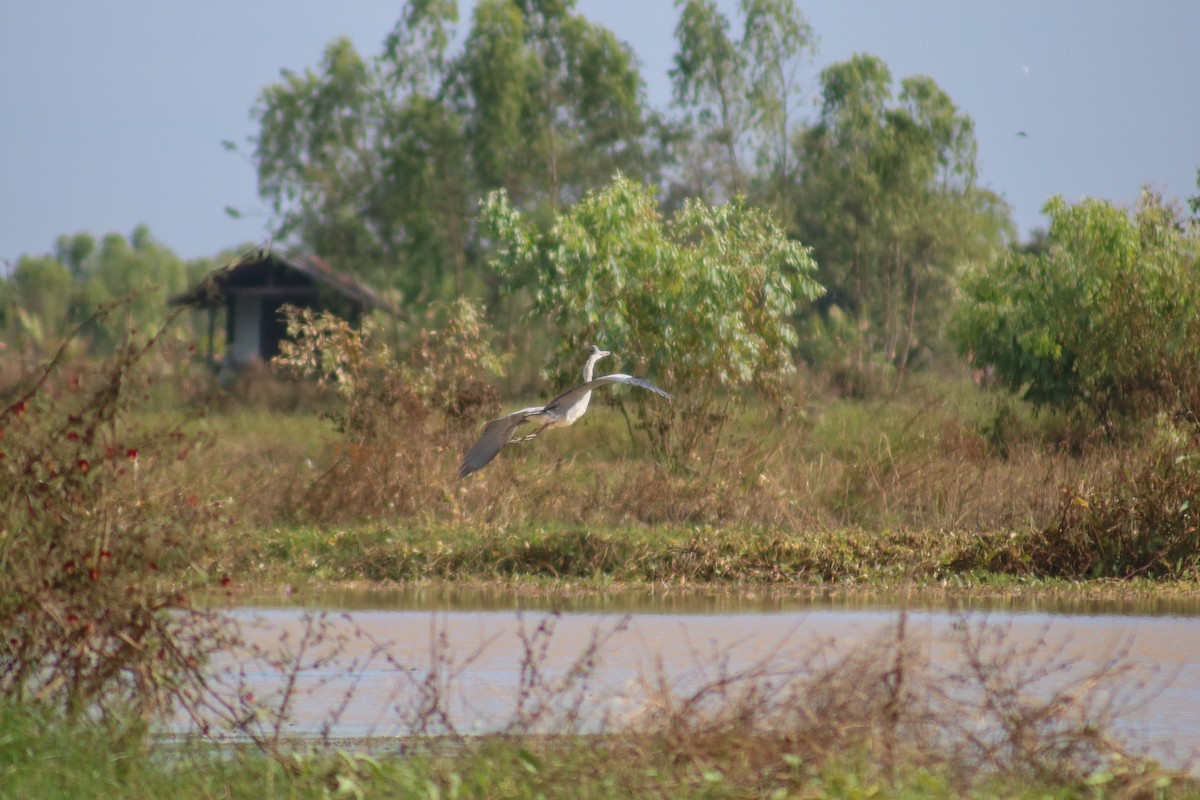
<point>540,560</point>
<point>941,484</point>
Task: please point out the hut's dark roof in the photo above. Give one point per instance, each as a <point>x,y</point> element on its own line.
<point>250,269</point>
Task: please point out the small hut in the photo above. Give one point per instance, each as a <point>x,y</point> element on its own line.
<point>255,286</point>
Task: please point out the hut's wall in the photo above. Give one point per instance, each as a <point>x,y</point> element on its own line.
<point>245,344</point>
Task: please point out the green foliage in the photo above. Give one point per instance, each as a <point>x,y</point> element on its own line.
<point>888,202</point>
<point>39,299</point>
<point>702,300</point>
<point>552,102</point>
<point>138,268</point>
<point>47,295</point>
<point>379,163</point>
<point>1104,322</point>
<point>100,539</point>
<point>740,97</point>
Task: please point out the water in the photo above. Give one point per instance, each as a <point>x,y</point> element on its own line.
<point>373,659</point>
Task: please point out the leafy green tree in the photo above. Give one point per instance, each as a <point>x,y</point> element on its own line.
<point>1104,322</point>
<point>46,294</point>
<point>740,96</point>
<point>75,252</point>
<point>38,301</point>
<point>318,156</point>
<point>137,267</point>
<point>889,203</point>
<point>553,102</point>
<point>379,164</point>
<point>702,300</point>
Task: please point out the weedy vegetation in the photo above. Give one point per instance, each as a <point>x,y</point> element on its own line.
<point>137,496</point>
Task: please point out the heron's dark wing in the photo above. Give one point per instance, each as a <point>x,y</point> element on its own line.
<point>569,397</point>
<point>495,435</point>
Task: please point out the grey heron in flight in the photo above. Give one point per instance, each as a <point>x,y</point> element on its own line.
<point>560,412</point>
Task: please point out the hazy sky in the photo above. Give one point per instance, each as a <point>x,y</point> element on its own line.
<point>112,114</point>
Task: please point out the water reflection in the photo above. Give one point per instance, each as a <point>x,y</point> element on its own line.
<point>391,643</point>
<point>447,597</point>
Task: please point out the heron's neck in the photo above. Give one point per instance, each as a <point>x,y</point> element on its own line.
<point>588,367</point>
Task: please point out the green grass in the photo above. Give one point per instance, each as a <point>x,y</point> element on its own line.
<point>44,759</point>
<point>669,554</point>
<point>579,559</point>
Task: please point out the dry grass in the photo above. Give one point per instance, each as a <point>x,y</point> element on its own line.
<point>912,481</point>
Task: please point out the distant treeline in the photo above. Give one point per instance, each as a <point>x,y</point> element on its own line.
<point>380,164</point>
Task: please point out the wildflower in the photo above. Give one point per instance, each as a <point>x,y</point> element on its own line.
<point>131,454</point>
<point>83,465</point>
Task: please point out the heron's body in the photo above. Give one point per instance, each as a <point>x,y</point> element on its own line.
<point>560,412</point>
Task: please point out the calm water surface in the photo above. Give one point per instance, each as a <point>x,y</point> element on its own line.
<point>370,658</point>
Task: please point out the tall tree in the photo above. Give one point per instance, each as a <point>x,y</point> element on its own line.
<point>740,96</point>
<point>75,252</point>
<point>379,164</point>
<point>554,103</point>
<point>138,267</point>
<point>318,157</point>
<point>889,202</point>
<point>38,300</point>
<point>46,294</point>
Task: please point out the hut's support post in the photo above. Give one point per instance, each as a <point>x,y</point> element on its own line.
<point>212,329</point>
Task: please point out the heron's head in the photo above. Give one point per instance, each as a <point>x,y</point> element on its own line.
<point>595,353</point>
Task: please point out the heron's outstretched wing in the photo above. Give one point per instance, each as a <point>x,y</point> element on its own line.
<point>495,435</point>
<point>571,395</point>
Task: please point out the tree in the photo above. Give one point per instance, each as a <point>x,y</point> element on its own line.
<point>889,203</point>
<point>380,163</point>
<point>75,252</point>
<point>138,268</point>
<point>318,157</point>
<point>554,102</point>
<point>739,96</point>
<point>702,300</point>
<point>1105,322</point>
<point>39,300</point>
<point>46,294</point>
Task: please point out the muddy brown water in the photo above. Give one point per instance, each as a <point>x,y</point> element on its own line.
<point>373,662</point>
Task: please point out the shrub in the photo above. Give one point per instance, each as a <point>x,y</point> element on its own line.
<point>1142,521</point>
<point>100,542</point>
<point>402,416</point>
<point>702,301</point>
<point>1106,322</point>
